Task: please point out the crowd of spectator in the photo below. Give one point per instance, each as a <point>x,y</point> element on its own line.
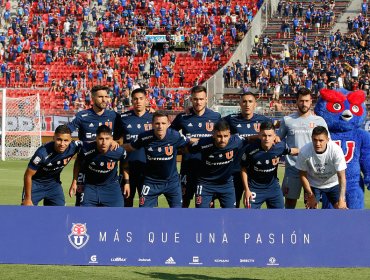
<point>44,36</point>
<point>336,60</point>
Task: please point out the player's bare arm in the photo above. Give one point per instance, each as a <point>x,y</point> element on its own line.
<point>125,185</point>
<point>311,200</point>
<point>342,190</point>
<point>27,200</point>
<point>247,193</point>
<point>76,170</point>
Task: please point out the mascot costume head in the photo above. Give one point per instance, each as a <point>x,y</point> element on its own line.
<point>345,112</point>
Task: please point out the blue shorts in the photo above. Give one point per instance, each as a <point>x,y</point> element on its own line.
<point>332,194</point>
<point>171,189</point>
<point>272,195</point>
<point>224,193</point>
<point>106,196</point>
<point>51,193</point>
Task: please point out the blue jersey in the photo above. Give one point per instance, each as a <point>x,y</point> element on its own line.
<point>217,163</point>
<point>132,126</point>
<point>160,153</point>
<point>100,169</point>
<point>262,165</point>
<point>243,127</point>
<point>87,122</point>
<point>49,164</point>
<point>194,126</point>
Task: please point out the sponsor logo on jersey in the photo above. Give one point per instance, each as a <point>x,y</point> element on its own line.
<point>129,126</point>
<point>209,126</point>
<point>200,124</point>
<point>91,125</point>
<point>138,125</point>
<point>168,150</point>
<point>239,125</point>
<point>258,163</point>
<point>190,124</point>
<point>170,260</point>
<point>78,236</point>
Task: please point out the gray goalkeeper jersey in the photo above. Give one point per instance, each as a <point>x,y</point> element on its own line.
<point>297,131</point>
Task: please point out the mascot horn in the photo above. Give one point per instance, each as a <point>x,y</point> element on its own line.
<point>345,113</point>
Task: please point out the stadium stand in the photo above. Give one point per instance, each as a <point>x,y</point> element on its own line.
<point>61,48</point>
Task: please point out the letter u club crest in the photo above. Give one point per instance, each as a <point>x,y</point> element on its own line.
<point>168,150</point>
<point>229,155</point>
<point>209,126</point>
<point>78,236</point>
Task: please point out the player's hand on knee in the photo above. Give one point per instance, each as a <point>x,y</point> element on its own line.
<point>27,202</point>
<point>311,202</point>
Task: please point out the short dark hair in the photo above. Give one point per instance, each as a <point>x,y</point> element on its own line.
<point>95,89</point>
<point>158,114</point>
<point>304,91</point>
<point>197,89</point>
<point>267,126</point>
<point>248,93</point>
<point>104,129</point>
<point>221,125</point>
<point>63,129</point>
<point>320,130</point>
<point>138,90</point>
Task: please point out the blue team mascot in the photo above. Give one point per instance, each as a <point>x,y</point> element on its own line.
<point>345,113</point>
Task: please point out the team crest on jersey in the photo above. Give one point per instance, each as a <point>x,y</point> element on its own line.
<point>78,236</point>
<point>209,126</point>
<point>312,124</point>
<point>110,165</point>
<point>147,126</point>
<point>257,127</point>
<point>168,150</point>
<point>229,155</point>
<point>275,161</point>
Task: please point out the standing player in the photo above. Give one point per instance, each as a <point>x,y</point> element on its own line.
<point>135,122</point>
<point>297,129</point>
<point>245,124</point>
<point>322,168</point>
<point>100,163</point>
<point>259,169</point>
<point>42,176</point>
<point>198,123</point>
<point>218,156</point>
<point>88,121</point>
<point>160,145</point>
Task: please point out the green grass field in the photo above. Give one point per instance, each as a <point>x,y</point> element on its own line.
<point>11,182</point>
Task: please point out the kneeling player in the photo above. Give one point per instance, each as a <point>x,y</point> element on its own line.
<point>322,168</point>
<point>259,169</point>
<point>218,156</point>
<point>102,186</point>
<point>42,177</point>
